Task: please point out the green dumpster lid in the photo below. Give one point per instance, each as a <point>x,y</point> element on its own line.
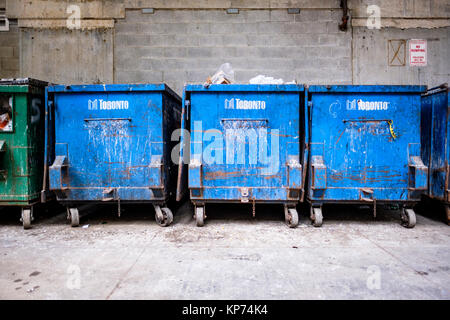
<point>23,85</point>
<point>23,82</point>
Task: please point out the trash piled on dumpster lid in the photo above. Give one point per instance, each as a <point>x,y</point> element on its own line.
<point>225,75</point>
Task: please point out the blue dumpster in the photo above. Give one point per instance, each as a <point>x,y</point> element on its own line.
<point>435,143</point>
<point>364,146</point>
<point>112,144</point>
<point>243,144</point>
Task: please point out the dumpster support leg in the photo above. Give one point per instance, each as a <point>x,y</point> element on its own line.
<point>447,211</point>
<point>374,208</point>
<point>118,207</point>
<point>253,208</point>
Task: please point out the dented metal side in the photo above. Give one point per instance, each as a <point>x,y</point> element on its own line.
<point>243,143</point>
<point>435,136</point>
<point>21,141</point>
<point>112,142</point>
<point>364,144</point>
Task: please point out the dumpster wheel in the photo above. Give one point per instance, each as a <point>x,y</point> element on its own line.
<point>74,216</point>
<point>27,217</point>
<point>408,218</point>
<point>200,216</point>
<point>167,217</point>
<point>316,216</point>
<point>291,217</point>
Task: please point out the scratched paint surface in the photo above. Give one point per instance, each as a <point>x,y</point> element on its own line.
<point>21,161</point>
<point>111,137</point>
<point>257,129</point>
<point>435,140</point>
<point>350,131</point>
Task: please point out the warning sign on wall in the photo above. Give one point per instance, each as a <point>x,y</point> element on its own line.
<point>417,53</point>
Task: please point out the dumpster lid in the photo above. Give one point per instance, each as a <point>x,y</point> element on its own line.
<point>442,88</point>
<point>23,82</point>
<point>246,87</point>
<point>369,88</point>
<point>113,88</point>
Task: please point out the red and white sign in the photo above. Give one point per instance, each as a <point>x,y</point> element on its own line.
<point>417,53</point>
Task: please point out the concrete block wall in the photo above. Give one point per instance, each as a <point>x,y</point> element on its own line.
<point>67,56</point>
<point>9,51</point>
<point>180,46</point>
<point>186,41</point>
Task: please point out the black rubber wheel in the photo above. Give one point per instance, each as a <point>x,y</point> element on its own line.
<point>316,216</point>
<point>200,216</point>
<point>26,218</point>
<point>408,218</point>
<point>168,217</point>
<point>74,217</point>
<point>292,218</point>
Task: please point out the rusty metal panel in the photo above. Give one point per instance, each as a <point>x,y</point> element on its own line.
<point>435,140</point>
<point>112,142</point>
<point>21,141</point>
<point>246,143</point>
<point>365,144</point>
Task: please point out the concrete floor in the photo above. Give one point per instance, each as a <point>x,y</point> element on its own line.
<point>234,256</point>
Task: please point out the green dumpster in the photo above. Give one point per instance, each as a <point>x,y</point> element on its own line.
<point>22,136</point>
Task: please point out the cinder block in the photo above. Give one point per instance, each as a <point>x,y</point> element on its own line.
<point>260,39</point>
<point>215,16</point>
<point>341,52</point>
<point>269,27</point>
<point>281,15</point>
<point>138,76</point>
<point>249,51</point>
<point>234,40</point>
<point>244,28</point>
<point>313,15</point>
<point>333,27</point>
<point>126,28</point>
<point>174,52</point>
<point>137,40</point>
<point>255,15</point>
<point>196,52</point>
<point>227,52</point>
<point>6,52</point>
<point>10,64</point>
<point>212,40</point>
<point>9,39</point>
<point>198,28</point>
<point>329,40</point>
<point>220,28</point>
<point>173,28</point>
<point>318,52</point>
<point>197,76</point>
<point>181,46</point>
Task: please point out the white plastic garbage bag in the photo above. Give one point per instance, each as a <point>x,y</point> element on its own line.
<point>261,79</point>
<point>225,75</point>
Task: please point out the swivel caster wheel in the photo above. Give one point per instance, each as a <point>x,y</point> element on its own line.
<point>74,216</point>
<point>408,218</point>
<point>200,216</point>
<point>27,217</point>
<point>291,217</point>
<point>166,217</point>
<point>316,216</point>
